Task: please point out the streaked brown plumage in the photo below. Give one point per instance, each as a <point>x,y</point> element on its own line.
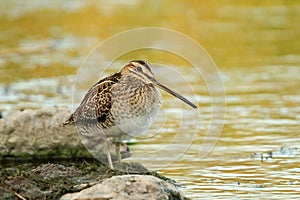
<point>121,106</point>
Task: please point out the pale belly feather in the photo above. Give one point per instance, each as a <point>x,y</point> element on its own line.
<point>135,119</point>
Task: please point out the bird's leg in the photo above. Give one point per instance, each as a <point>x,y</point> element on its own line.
<point>118,144</point>
<point>108,156</point>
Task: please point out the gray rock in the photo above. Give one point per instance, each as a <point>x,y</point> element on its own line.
<point>40,133</point>
<point>35,131</point>
<point>129,187</point>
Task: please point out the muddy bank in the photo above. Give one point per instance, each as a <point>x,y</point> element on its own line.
<point>53,180</point>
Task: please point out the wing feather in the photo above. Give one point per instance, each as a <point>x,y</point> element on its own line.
<point>96,104</point>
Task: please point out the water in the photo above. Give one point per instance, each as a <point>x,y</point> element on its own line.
<point>255,45</point>
<point>262,116</point>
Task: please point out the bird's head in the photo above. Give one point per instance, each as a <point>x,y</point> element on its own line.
<point>142,70</point>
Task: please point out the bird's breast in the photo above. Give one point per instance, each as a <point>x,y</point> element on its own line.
<point>135,109</point>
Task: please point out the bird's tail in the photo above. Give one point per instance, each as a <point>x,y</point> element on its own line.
<point>69,121</point>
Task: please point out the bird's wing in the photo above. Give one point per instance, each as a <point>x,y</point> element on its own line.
<point>96,104</point>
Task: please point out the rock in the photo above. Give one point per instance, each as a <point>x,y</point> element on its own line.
<point>35,132</point>
<point>39,133</point>
<point>129,187</point>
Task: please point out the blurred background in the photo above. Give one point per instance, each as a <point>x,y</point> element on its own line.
<point>254,43</point>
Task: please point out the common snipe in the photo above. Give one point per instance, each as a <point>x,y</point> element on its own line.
<point>121,106</point>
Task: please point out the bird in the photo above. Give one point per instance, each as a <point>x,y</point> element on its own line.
<point>121,106</point>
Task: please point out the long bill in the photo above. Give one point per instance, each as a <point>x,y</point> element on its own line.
<point>175,94</point>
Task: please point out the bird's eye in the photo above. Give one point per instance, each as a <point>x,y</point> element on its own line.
<point>139,69</point>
